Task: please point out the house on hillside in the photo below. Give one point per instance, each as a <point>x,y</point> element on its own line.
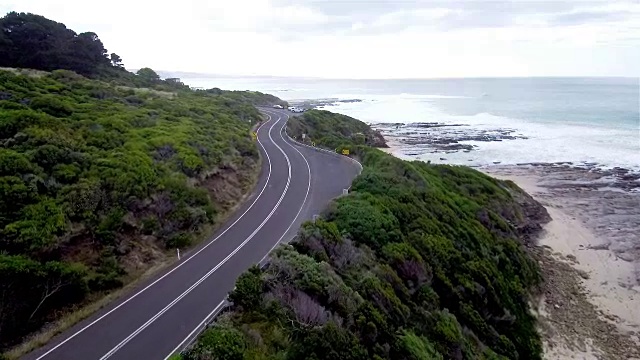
<point>174,80</point>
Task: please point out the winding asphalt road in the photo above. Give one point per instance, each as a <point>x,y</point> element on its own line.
<point>161,316</point>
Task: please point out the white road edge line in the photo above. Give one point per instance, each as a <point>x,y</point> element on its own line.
<point>187,339</point>
<point>321,149</point>
<point>325,151</point>
<point>179,264</point>
<point>208,274</point>
<point>201,324</point>
<point>305,195</point>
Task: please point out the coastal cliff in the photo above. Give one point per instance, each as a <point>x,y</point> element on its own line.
<point>418,261</point>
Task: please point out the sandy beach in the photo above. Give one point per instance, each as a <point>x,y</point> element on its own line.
<point>590,257</point>
<point>589,253</point>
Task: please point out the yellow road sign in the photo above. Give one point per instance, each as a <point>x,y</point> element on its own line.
<point>313,143</point>
<point>345,151</point>
<point>254,135</point>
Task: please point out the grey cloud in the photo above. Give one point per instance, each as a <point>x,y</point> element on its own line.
<point>588,17</point>
<point>477,8</point>
<point>343,14</point>
<point>352,8</point>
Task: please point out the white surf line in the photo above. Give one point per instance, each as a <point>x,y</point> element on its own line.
<point>208,274</point>
<point>218,307</point>
<point>183,262</point>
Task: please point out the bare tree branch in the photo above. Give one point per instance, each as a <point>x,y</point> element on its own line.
<point>50,289</point>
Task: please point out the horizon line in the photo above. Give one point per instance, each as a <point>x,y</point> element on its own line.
<point>188,74</point>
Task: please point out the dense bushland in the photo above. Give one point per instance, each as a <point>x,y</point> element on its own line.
<point>419,261</point>
<point>97,180</point>
<point>332,130</point>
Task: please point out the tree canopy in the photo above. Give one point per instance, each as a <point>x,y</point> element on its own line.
<point>148,76</point>
<point>33,41</point>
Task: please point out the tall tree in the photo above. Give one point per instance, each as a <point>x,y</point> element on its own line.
<point>33,41</point>
<point>148,76</point>
<point>116,60</point>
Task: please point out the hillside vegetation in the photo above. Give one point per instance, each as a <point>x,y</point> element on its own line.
<point>100,177</point>
<point>332,130</point>
<point>252,97</point>
<point>419,261</point>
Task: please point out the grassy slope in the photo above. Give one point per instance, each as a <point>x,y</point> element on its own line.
<point>418,262</point>
<point>98,180</point>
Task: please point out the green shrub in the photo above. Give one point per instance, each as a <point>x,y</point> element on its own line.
<point>219,342</point>
<point>329,342</point>
<point>248,291</point>
<point>180,240</point>
<point>418,261</point>
<point>409,346</point>
<point>51,105</point>
<point>13,163</point>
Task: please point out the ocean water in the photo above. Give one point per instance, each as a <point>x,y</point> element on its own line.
<point>578,120</point>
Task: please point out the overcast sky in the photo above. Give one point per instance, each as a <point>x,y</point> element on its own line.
<point>361,38</point>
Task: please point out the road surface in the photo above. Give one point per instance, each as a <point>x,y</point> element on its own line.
<point>159,317</point>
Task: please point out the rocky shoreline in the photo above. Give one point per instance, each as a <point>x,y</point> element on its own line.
<point>589,255</point>
<point>321,103</point>
<point>607,200</point>
<point>589,252</point>
<point>435,137</point>
<point>571,325</point>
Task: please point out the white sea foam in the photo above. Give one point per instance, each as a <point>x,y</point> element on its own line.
<point>431,96</point>
<point>546,141</point>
